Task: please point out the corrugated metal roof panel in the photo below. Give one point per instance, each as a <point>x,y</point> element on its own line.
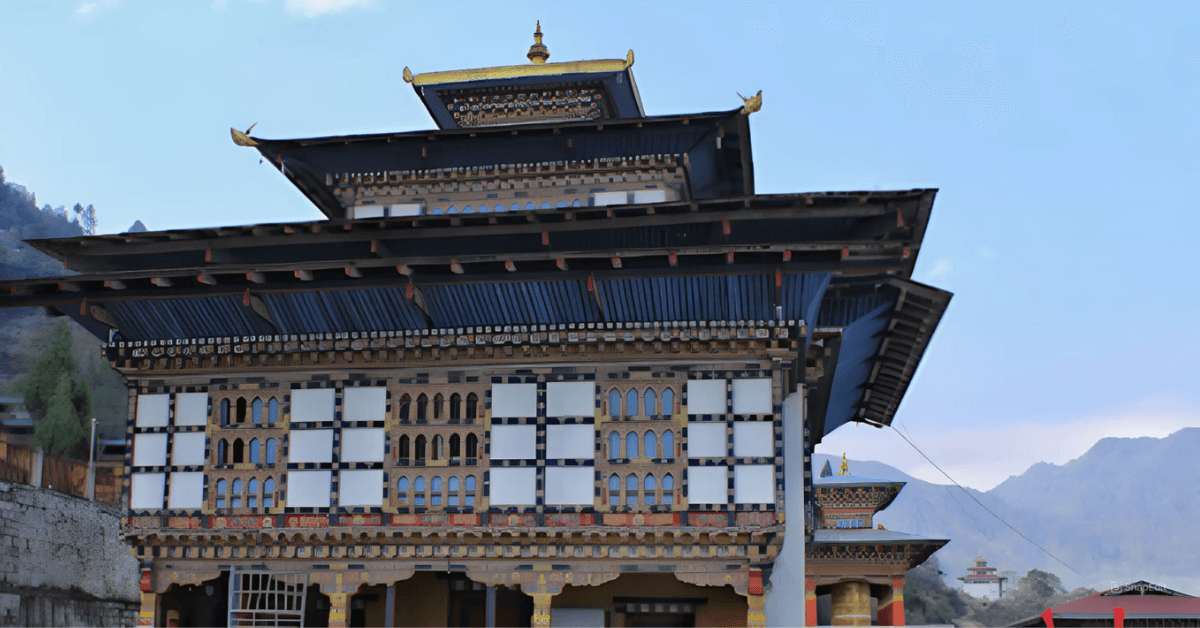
<point>187,318</point>
<point>860,341</point>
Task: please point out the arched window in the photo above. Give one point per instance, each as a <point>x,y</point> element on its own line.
<point>614,446</point>
<point>470,497</point>
<point>404,403</point>
<point>438,402</point>
<point>420,453</point>
<point>472,406</point>
<point>456,406</point>
<point>668,444</point>
<point>452,492</point>
<point>437,211</point>
<point>651,404</point>
<point>422,407</point>
<point>419,489</point>
<point>402,451</point>
<point>614,403</point>
<point>614,489</point>
<point>224,412</point>
<point>668,402</point>
<point>631,490</point>
<point>631,445</point>
<point>239,451</point>
<point>530,205</point>
<point>452,210</point>
<point>252,493</point>
<point>468,210</point>
<point>402,491</point>
<point>668,489</point>
<point>256,411</point>
<point>222,451</point>
<point>472,446</point>
<point>514,207</point>
<point>650,445</point>
<point>436,454</point>
<point>241,411</point>
<point>435,491</point>
<point>455,447</point>
<point>577,203</point>
<point>272,415</point>
<point>631,402</point>
<point>268,493</point>
<point>545,204</point>
<point>254,450</point>
<point>236,499</point>
<point>649,487</point>
<point>222,486</point>
<point>271,445</point>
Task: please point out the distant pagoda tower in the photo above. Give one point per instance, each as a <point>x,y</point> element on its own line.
<point>982,581</point>
<point>850,561</point>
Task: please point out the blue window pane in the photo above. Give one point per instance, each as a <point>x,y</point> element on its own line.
<point>668,444</point>
<point>631,403</point>
<point>614,445</point>
<point>651,401</point>
<point>650,446</point>
<point>631,490</point>
<point>668,402</point>
<point>270,451</point>
<point>614,402</point>
<point>273,411</point>
<point>254,451</point>
<point>631,445</point>
<point>256,411</point>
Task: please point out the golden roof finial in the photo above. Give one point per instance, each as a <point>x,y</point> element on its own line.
<point>845,466</point>
<point>242,138</point>
<point>538,52</point>
<point>751,104</point>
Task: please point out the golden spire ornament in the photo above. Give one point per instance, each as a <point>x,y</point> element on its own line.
<point>845,466</point>
<point>538,52</point>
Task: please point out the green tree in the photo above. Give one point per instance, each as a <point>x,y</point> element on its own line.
<point>927,599</point>
<point>59,401</point>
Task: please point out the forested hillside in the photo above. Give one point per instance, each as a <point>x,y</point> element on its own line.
<point>27,333</point>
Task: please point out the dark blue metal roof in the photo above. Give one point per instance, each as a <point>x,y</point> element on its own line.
<point>861,338</point>
<point>187,318</point>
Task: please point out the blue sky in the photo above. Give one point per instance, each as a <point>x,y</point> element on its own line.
<point>1062,137</point>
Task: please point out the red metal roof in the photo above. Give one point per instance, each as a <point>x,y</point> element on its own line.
<point>1152,604</point>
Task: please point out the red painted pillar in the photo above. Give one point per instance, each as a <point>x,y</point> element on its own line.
<point>810,602</point>
<point>891,611</point>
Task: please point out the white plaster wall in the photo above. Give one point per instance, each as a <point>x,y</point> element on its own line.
<point>576,617</point>
<point>569,486</point>
<point>367,403</point>
<point>187,449</point>
<point>309,405</point>
<point>360,487</point>
<point>570,399</point>
<point>753,439</point>
<point>513,486</point>
<point>753,484</point>
<point>310,446</point>
<point>361,445</point>
<point>514,442</point>
<point>570,441</point>
<point>708,485</point>
<point>784,604</point>
<point>187,491</point>
<point>147,491</point>
<point>309,489</point>
<point>514,400</point>
<point>706,396</point>
<point>707,440</point>
<point>153,410</point>
<point>752,396</point>
<point>982,590</point>
<point>191,408</point>
<point>149,450</point>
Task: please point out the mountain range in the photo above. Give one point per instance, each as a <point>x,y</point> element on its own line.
<point>1126,510</point>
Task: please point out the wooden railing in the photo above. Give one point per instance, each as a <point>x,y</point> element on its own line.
<point>19,463</point>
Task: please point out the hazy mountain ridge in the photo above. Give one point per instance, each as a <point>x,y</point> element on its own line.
<point>1123,511</point>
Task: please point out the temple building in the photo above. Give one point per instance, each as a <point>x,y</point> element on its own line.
<point>1134,605</point>
<point>554,362</point>
<point>855,572</point>
<point>982,581</point>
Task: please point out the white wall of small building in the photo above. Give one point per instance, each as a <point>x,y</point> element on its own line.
<point>784,604</point>
<point>982,590</point>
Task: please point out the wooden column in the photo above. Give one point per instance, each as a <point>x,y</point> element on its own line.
<point>891,610</point>
<point>389,609</point>
<point>851,604</point>
<point>149,601</point>
<point>490,608</point>
<point>337,610</point>
<point>541,610</point>
<point>810,602</point>
<point>755,616</point>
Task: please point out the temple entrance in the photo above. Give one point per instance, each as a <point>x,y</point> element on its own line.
<point>201,604</point>
<point>648,600</point>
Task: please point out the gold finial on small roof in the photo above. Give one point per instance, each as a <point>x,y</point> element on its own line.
<point>538,52</point>
<point>845,466</point>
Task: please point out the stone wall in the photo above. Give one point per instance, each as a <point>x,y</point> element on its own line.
<point>62,561</point>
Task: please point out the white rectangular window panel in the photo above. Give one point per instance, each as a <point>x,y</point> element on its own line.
<point>146,491</point>
<point>513,486</point>
<point>191,408</point>
<point>752,396</point>
<point>601,199</point>
<point>706,396</point>
<point>310,405</point>
<point>309,489</point>
<point>369,211</point>
<point>361,445</point>
<point>149,450</point>
<point>406,209</point>
<point>570,399</point>
<point>360,487</point>
<point>187,491</point>
<point>570,441</point>
<point>754,439</point>
<point>187,449</point>
<point>153,410</point>
<point>754,484</point>
<point>514,442</point>
<point>364,404</point>
<point>708,485</point>
<point>650,196</point>
<point>514,400</point>
<point>707,440</point>
<point>569,486</point>
<point>310,446</point>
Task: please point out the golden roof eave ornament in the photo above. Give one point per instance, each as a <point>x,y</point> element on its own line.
<point>242,138</point>
<point>538,52</point>
<point>751,104</point>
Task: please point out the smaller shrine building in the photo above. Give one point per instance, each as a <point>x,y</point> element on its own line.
<point>982,581</point>
<point>854,571</point>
